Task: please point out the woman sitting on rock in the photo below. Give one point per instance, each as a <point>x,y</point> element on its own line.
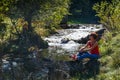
<point>90,50</point>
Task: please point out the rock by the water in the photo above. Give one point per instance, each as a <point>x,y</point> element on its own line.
<point>65,40</point>
<point>85,39</point>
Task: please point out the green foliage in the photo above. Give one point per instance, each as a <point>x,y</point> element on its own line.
<point>109,46</point>
<point>21,21</point>
<point>115,56</point>
<point>112,75</point>
<point>4,6</point>
<point>109,14</point>
<point>52,13</point>
<point>105,47</point>
<point>116,59</point>
<point>110,57</point>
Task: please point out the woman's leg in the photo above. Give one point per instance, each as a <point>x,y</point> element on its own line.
<point>81,53</point>
<point>94,56</point>
<point>88,55</point>
<point>85,55</point>
<point>74,56</point>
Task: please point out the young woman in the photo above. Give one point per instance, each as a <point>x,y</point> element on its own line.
<point>90,50</point>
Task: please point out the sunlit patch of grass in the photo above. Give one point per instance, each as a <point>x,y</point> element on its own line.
<point>111,75</point>
<point>62,57</point>
<point>116,59</point>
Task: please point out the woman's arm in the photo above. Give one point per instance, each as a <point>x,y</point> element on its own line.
<point>85,46</point>
<point>88,49</point>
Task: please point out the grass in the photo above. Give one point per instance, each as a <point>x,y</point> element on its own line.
<point>110,68</point>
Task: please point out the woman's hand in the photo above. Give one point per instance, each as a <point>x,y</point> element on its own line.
<point>81,49</point>
<point>87,49</point>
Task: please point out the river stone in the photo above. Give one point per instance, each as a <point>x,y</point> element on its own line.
<point>84,40</point>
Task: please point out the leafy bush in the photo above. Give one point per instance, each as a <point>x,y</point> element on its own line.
<point>116,59</point>
<point>105,44</point>
<point>109,12</point>
<point>27,21</point>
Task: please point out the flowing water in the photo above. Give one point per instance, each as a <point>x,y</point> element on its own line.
<point>48,64</point>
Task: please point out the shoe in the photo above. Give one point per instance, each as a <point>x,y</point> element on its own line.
<point>74,56</point>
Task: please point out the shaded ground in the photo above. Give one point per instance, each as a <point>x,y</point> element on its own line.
<point>37,68</point>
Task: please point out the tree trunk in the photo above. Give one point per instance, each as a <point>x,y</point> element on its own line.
<point>29,20</point>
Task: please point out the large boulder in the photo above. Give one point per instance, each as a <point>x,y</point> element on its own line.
<point>84,40</point>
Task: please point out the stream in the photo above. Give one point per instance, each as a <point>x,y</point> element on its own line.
<point>51,63</point>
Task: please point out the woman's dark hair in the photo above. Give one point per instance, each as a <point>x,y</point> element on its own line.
<point>94,35</point>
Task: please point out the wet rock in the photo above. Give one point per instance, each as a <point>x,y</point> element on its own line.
<point>84,40</point>
<point>92,67</point>
<point>65,40</point>
<point>64,26</point>
<point>85,68</point>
